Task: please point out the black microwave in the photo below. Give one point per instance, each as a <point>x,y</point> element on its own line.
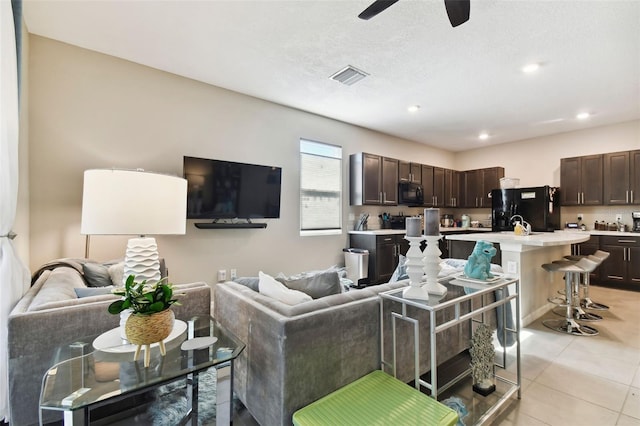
<point>410,194</point>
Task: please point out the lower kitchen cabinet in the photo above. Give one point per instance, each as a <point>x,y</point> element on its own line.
<point>622,267</point>
<point>384,253</point>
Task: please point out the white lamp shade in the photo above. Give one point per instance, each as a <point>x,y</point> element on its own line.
<point>133,202</point>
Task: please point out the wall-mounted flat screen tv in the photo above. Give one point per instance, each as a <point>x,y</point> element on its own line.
<point>219,189</point>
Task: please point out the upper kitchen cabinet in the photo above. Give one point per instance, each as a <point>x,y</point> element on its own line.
<point>373,180</point>
<point>622,177</point>
<point>478,185</point>
<point>452,184</point>
<point>409,172</point>
<point>581,180</point>
<point>433,186</point>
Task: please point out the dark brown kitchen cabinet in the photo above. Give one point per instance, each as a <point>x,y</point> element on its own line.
<point>634,177</point>
<point>373,180</point>
<point>409,172</point>
<point>622,177</point>
<point>384,253</point>
<point>452,188</point>
<point>581,180</point>
<point>433,186</point>
<point>478,185</point>
<point>623,264</point>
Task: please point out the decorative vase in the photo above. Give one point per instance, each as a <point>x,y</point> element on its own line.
<point>143,330</point>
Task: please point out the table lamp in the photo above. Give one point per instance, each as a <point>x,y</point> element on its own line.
<point>134,202</point>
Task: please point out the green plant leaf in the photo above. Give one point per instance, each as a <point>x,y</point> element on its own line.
<point>116,307</point>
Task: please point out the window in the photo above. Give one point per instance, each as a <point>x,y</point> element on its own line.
<point>320,188</point>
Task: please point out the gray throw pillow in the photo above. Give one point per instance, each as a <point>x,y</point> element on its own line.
<point>96,275</point>
<point>92,291</point>
<point>317,285</point>
<point>251,282</point>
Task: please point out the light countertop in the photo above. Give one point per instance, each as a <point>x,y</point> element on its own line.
<point>538,239</point>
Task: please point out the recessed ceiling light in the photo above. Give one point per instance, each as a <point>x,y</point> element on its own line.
<point>413,108</point>
<point>529,68</point>
<point>583,116</point>
<point>483,136</point>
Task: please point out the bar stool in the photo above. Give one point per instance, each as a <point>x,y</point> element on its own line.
<point>572,271</point>
<point>599,256</point>
<point>577,312</point>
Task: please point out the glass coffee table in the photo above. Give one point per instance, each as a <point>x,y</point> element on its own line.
<point>102,372</point>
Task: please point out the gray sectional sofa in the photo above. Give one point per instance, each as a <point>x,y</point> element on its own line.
<point>297,354</point>
<point>51,315</point>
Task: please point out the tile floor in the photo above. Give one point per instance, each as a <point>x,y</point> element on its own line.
<point>582,381</point>
<point>575,381</point>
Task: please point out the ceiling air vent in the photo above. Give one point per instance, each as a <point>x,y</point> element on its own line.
<point>349,75</point>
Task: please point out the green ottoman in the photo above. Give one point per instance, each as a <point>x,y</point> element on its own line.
<point>375,399</point>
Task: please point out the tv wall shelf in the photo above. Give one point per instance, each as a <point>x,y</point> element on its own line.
<point>228,225</point>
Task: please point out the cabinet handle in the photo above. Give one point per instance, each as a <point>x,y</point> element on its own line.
<point>583,198</point>
<point>626,241</point>
<point>384,197</point>
<point>626,196</point>
<point>578,197</point>
<point>614,277</point>
<point>387,239</point>
<point>632,195</point>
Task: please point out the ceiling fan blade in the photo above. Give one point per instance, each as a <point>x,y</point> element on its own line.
<point>458,11</point>
<point>375,8</point>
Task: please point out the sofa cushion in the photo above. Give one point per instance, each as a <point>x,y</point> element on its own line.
<point>272,288</point>
<point>315,285</point>
<point>96,275</point>
<point>116,273</point>
<point>251,282</point>
<point>93,291</point>
<point>59,286</point>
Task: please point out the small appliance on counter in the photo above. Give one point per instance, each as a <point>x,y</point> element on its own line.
<point>397,222</point>
<point>636,222</point>
<point>447,221</point>
<point>540,206</point>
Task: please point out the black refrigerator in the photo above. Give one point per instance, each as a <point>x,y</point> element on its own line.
<point>539,206</point>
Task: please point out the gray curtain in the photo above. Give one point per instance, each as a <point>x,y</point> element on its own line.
<point>14,277</point>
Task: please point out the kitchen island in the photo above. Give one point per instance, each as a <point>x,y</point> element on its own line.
<point>523,257</point>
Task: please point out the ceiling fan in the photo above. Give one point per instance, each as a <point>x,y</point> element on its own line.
<point>457,10</point>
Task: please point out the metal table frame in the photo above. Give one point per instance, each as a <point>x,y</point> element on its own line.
<point>480,291</point>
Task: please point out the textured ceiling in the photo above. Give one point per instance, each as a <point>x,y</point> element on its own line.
<point>465,79</point>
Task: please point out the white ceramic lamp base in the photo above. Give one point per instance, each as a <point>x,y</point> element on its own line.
<point>142,261</point>
<point>415,271</point>
<point>432,266</point>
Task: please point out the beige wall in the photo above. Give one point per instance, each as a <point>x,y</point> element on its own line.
<point>89,110</point>
<point>537,161</point>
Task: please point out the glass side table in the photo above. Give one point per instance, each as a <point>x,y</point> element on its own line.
<point>471,305</point>
<point>104,371</point>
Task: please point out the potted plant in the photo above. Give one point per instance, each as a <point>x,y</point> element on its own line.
<point>150,320</point>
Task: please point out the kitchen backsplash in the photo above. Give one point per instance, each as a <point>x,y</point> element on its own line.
<point>591,214</point>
